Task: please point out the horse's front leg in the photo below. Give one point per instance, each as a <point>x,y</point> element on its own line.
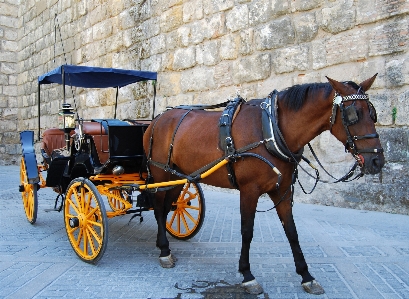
<point>310,285</point>
<point>248,204</point>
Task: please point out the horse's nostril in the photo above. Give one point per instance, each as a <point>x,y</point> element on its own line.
<point>377,164</point>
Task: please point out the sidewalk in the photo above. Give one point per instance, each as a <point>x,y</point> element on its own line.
<point>352,253</point>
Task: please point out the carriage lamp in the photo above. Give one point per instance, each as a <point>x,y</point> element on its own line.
<point>66,122</point>
<point>66,118</point>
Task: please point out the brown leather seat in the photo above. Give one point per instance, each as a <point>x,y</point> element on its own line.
<point>52,139</point>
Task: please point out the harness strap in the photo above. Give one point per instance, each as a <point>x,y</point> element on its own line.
<point>225,138</point>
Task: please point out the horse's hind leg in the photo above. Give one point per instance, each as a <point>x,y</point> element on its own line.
<point>248,204</point>
<point>284,211</point>
<point>162,205</point>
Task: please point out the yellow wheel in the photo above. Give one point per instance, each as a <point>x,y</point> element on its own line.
<point>187,214</point>
<point>85,220</point>
<point>115,200</point>
<point>28,194</point>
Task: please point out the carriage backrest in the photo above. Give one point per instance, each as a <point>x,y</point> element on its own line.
<point>52,139</point>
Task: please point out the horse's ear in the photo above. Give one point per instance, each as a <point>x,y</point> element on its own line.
<point>338,86</point>
<point>368,83</point>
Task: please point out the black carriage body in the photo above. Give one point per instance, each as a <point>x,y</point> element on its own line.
<point>109,143</point>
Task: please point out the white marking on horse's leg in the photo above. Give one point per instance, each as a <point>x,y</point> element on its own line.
<point>168,261</point>
<point>252,287</point>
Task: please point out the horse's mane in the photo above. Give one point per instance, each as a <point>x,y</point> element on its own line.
<point>294,97</point>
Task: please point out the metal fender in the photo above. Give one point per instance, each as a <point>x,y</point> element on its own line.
<point>29,156</point>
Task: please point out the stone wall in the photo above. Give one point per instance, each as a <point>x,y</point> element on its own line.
<point>206,51</point>
<point>9,138</point>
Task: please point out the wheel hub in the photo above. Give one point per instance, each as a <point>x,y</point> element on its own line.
<point>74,222</point>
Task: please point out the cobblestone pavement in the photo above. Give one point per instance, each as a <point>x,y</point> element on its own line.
<point>353,254</point>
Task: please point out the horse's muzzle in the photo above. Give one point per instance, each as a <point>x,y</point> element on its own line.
<point>373,163</point>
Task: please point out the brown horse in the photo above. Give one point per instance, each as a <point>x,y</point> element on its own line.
<point>304,112</point>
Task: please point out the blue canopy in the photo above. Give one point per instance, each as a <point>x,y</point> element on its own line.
<point>94,77</point>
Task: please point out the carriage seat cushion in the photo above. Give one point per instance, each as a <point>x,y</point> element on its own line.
<point>93,128</point>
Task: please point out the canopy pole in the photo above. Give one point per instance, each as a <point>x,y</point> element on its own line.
<point>116,100</point>
<point>154,99</point>
<point>63,83</point>
<point>38,105</point>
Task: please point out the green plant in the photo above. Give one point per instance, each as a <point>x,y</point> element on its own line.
<point>394,112</point>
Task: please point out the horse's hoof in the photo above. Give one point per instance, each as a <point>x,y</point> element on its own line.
<point>167,261</point>
<point>252,287</point>
<point>313,287</point>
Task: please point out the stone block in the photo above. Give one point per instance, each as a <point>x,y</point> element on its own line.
<point>368,11</point>
<point>171,19</point>
<point>197,79</point>
<point>338,18</point>
<point>388,38</point>
<point>229,47</point>
<point>10,90</point>
<point>158,44</point>
<point>184,58</point>
<point>237,18</point>
<point>395,144</point>
<point>346,47</point>
<point>102,30</point>
<point>208,53</point>
<point>280,7</point>
<point>383,105</point>
<point>319,54</point>
<point>397,72</point>
<point>222,74</point>
<point>275,34</point>
<point>306,27</point>
<point>216,25</point>
<point>302,5</point>
<point>192,10</point>
<point>7,21</point>
<point>215,6</point>
<point>402,109</point>
<point>169,84</point>
<point>199,31</point>
<point>9,10</point>
<point>251,68</point>
<point>291,59</point>
<point>260,11</point>
<point>246,41</point>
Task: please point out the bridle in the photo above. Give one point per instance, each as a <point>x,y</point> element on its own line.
<point>349,117</point>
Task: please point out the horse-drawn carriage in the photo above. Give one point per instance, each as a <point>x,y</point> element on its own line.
<point>163,160</point>
<point>93,162</point>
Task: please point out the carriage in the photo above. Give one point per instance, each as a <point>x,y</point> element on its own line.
<point>164,160</point>
<point>91,163</point>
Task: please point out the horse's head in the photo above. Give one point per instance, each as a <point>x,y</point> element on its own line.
<point>353,123</point>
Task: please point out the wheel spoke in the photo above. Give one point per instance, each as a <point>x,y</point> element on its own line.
<point>185,222</point>
<point>72,205</point>
<point>189,216</point>
<point>91,242</point>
